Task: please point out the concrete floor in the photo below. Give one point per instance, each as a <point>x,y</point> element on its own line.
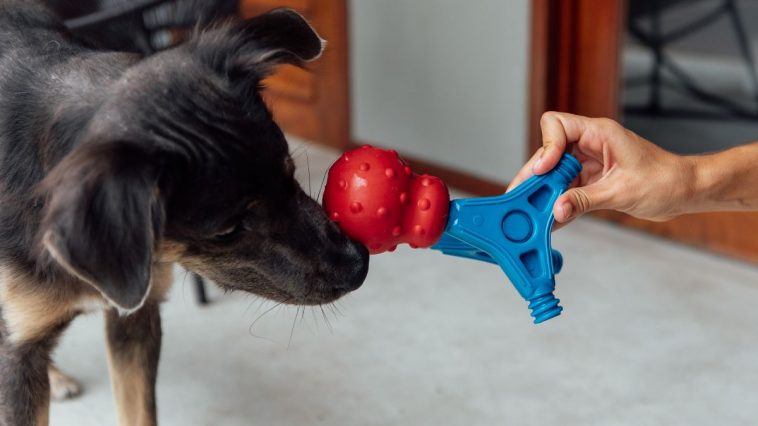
<point>652,333</point>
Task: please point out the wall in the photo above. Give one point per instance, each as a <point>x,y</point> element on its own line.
<point>442,80</point>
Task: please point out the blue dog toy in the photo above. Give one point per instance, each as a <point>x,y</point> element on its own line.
<point>513,230</point>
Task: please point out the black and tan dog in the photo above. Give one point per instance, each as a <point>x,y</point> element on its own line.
<point>113,166</point>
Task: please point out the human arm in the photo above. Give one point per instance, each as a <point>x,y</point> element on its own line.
<point>622,171</point>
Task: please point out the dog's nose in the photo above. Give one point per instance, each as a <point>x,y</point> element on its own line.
<point>355,267</point>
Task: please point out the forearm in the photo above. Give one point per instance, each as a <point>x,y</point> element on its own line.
<point>726,181</point>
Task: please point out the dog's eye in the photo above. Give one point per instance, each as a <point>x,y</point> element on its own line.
<point>230,232</point>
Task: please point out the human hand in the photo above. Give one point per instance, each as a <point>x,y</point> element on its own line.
<point>620,170</point>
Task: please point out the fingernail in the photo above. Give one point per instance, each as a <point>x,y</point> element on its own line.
<point>542,154</point>
<point>567,210</point>
<point>536,165</point>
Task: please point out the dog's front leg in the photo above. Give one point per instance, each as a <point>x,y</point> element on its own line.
<point>24,387</point>
<point>30,323</point>
<point>134,344</point>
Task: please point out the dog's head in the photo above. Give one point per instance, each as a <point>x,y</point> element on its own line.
<point>184,162</point>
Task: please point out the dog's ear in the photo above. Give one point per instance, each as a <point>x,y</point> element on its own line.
<point>257,46</point>
<point>102,217</point>
<point>281,36</point>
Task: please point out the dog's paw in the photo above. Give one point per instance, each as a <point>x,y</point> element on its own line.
<point>63,387</point>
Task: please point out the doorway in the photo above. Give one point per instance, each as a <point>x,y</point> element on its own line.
<point>597,59</point>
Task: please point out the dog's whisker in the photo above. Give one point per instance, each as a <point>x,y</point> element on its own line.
<point>322,186</point>
<point>250,305</point>
<point>260,305</point>
<point>336,309</point>
<point>315,320</point>
<point>335,313</point>
<point>302,314</point>
<point>337,306</point>
<point>308,163</point>
<point>184,286</point>
<point>292,331</point>
<point>326,319</point>
<point>298,152</point>
<point>250,329</point>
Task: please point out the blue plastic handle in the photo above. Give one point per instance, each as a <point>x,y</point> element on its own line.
<point>513,230</point>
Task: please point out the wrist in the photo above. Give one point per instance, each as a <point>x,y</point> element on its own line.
<point>694,183</point>
<point>703,182</point>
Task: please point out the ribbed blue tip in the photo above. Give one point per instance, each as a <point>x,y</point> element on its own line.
<point>568,168</point>
<point>544,307</point>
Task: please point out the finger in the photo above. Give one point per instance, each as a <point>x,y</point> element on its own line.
<point>558,225</point>
<point>558,130</point>
<point>578,201</point>
<point>525,172</point>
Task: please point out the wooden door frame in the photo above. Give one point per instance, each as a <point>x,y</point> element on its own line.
<point>314,105</point>
<point>331,20</point>
<point>575,67</point>
<point>571,42</point>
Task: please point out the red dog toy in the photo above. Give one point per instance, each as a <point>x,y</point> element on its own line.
<point>378,200</point>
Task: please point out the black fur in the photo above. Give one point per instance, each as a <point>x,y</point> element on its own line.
<point>110,132</point>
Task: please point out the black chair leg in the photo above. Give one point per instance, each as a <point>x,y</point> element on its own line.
<point>202,297</point>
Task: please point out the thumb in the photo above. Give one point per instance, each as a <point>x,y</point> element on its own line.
<point>578,201</point>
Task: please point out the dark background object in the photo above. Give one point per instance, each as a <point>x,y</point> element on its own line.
<point>646,26</point>
<point>642,8</point>
<point>143,26</point>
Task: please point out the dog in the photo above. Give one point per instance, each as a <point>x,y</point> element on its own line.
<point>115,166</point>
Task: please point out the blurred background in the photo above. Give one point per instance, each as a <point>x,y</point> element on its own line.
<point>659,325</point>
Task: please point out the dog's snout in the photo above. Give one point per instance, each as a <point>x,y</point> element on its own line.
<point>354,266</point>
<point>335,235</point>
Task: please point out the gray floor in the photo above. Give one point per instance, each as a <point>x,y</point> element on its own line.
<point>652,334</point>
